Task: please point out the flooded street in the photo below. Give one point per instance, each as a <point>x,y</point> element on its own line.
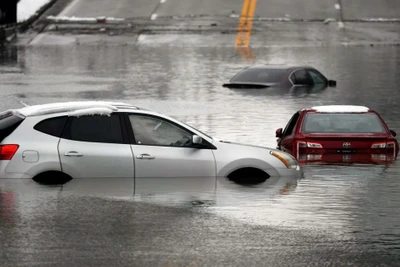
<point>173,57</point>
<point>186,82</point>
<point>334,216</point>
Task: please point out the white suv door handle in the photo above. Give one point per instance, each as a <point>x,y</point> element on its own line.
<point>145,156</point>
<point>73,154</point>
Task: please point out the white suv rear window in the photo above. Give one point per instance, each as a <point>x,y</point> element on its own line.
<point>8,123</point>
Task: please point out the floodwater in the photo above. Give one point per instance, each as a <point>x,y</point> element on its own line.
<point>334,216</point>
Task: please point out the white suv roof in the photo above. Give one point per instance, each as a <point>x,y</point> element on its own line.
<point>76,108</point>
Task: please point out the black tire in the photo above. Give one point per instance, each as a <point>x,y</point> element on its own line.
<point>52,178</point>
<point>248,176</point>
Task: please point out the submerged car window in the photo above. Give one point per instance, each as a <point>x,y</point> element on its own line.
<point>342,123</point>
<point>155,131</point>
<point>52,126</point>
<point>8,123</point>
<point>259,75</point>
<point>301,77</point>
<point>103,129</point>
<point>317,78</point>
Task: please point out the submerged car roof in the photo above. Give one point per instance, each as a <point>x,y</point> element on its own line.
<point>278,67</point>
<point>279,71</point>
<point>339,109</point>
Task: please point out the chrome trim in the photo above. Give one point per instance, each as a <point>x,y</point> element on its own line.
<point>291,75</point>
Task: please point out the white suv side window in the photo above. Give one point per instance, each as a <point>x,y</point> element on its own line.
<point>150,130</point>
<point>101,129</point>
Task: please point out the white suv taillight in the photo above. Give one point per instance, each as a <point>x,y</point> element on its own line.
<point>8,151</point>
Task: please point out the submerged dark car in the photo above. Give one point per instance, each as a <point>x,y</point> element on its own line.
<point>262,76</point>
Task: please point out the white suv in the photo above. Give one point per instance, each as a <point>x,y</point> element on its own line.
<point>58,142</point>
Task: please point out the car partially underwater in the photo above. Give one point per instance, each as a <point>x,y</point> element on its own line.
<point>264,76</point>
<point>338,134</point>
<point>93,139</point>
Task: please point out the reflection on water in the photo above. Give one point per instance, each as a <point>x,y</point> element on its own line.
<point>347,159</point>
<point>9,60</point>
<point>346,201</point>
<point>7,206</point>
<point>246,53</point>
<point>294,91</point>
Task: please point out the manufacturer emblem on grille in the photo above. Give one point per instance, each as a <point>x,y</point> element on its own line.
<point>346,144</point>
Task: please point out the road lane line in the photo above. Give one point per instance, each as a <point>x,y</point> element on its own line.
<point>252,8</point>
<point>162,1</point>
<point>245,23</point>
<point>153,17</point>
<point>242,22</point>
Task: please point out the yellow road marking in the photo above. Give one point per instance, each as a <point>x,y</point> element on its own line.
<point>250,16</point>
<point>245,23</point>
<point>242,22</point>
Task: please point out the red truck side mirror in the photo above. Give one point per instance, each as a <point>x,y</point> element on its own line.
<point>278,132</point>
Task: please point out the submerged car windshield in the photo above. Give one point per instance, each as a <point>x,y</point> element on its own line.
<point>342,123</point>
<point>259,75</point>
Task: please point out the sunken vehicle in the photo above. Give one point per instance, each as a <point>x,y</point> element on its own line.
<point>264,76</point>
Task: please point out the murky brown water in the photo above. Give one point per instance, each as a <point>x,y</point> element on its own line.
<point>358,205</point>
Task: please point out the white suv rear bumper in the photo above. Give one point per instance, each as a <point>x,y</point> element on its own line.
<point>11,175</point>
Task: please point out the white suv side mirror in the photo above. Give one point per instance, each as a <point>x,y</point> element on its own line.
<point>197,139</point>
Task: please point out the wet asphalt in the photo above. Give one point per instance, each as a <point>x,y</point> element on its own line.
<point>337,215</point>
